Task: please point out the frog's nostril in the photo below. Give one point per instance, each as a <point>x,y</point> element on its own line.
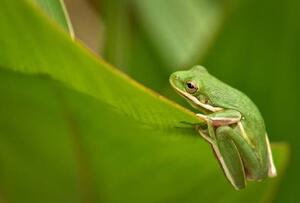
<point>174,76</point>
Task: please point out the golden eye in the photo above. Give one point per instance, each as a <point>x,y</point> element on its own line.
<point>191,87</point>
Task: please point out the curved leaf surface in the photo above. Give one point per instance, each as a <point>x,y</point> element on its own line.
<point>59,145</point>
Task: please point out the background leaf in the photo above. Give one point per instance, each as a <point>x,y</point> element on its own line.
<point>150,39</point>
<point>57,11</point>
<point>191,26</point>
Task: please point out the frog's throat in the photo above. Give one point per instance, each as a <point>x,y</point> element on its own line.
<point>196,102</point>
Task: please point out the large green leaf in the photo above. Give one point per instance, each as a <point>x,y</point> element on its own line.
<point>108,139</point>
<point>59,145</point>
<point>54,53</point>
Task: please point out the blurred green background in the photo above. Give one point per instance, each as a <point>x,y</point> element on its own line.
<point>75,130</point>
<point>255,47</point>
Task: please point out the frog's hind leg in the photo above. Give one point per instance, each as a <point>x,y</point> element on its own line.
<point>272,170</point>
<point>249,158</point>
<point>229,157</point>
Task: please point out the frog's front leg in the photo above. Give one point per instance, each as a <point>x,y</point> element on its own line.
<point>224,117</point>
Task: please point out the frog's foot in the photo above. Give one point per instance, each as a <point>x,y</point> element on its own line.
<point>203,117</point>
<point>188,123</point>
<point>205,135</point>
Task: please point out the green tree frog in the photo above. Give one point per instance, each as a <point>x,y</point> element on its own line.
<point>233,125</point>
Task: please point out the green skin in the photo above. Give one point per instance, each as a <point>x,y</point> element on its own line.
<point>234,126</point>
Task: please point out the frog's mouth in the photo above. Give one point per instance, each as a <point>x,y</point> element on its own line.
<point>195,102</point>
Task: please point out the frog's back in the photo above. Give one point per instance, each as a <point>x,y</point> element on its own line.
<point>227,97</point>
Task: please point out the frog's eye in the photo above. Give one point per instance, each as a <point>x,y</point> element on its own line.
<point>191,87</point>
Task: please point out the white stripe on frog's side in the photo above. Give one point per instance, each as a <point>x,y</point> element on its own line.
<point>196,101</point>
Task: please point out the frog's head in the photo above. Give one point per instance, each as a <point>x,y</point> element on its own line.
<point>190,84</point>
